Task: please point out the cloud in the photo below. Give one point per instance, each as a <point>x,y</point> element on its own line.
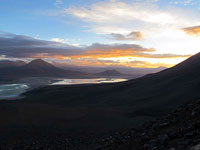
<point>113,63</point>
<point>109,47</point>
<point>132,36</point>
<point>115,19</point>
<point>23,46</point>
<point>194,31</point>
<point>101,63</point>
<point>182,2</point>
<point>58,2</point>
<point>20,46</point>
<point>117,16</point>
<point>72,42</point>
<point>13,45</point>
<point>117,12</point>
<point>143,64</point>
<point>58,40</point>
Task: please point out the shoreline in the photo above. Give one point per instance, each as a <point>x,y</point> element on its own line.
<point>39,82</point>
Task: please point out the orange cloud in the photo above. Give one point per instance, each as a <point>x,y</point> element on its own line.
<point>106,63</point>
<point>124,53</point>
<point>102,58</point>
<point>145,64</point>
<point>194,31</point>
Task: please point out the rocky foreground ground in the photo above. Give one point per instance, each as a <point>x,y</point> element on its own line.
<point>179,130</point>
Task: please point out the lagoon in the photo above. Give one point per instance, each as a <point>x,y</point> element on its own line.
<point>88,81</point>
<point>12,91</point>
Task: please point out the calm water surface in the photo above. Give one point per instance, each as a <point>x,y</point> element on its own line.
<point>12,90</point>
<point>87,81</point>
<point>8,91</point>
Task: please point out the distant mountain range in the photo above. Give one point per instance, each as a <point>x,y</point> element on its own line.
<point>41,68</point>
<point>8,63</point>
<point>110,73</point>
<point>36,68</point>
<point>122,69</point>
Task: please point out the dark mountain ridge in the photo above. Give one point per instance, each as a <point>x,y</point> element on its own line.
<point>124,70</point>
<point>37,68</point>
<point>110,73</point>
<point>8,63</point>
<point>39,63</point>
<point>41,68</point>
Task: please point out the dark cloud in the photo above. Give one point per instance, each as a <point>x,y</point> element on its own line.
<point>21,46</point>
<point>108,47</point>
<point>13,45</point>
<point>132,36</point>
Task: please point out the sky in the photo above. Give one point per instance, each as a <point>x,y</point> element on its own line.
<point>130,33</point>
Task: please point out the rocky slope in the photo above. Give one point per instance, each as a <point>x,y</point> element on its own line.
<point>179,130</point>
